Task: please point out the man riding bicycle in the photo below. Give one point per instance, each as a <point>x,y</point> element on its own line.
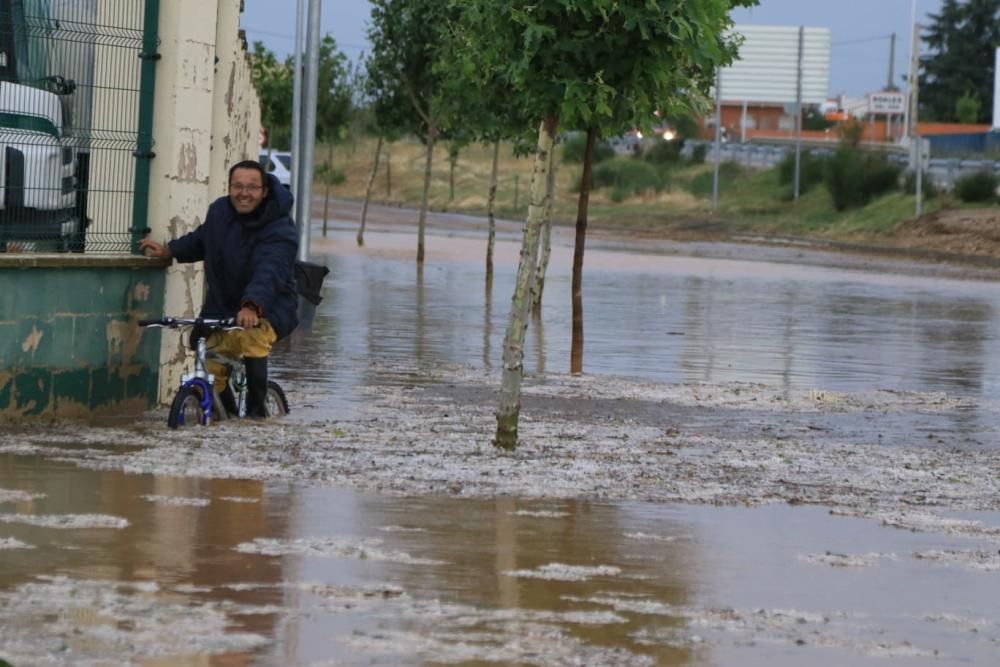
<point>249,244</point>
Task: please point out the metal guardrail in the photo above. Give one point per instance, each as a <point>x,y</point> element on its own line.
<point>70,97</point>
<point>943,171</point>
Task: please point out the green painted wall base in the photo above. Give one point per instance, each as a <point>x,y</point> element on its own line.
<point>69,342</point>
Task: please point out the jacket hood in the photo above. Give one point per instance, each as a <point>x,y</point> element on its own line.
<point>277,204</point>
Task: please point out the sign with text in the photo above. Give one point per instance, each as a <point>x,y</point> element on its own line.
<point>887,103</point>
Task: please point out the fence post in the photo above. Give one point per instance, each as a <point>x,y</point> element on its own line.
<point>144,141</point>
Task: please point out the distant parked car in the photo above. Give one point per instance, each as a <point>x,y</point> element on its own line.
<point>278,163</point>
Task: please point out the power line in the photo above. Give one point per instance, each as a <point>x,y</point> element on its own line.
<point>291,38</point>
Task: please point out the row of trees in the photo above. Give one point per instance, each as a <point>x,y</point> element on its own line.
<point>491,70</point>
<point>519,72</point>
<point>340,84</point>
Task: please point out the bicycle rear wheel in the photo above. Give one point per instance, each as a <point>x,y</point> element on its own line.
<point>185,411</point>
<point>276,403</point>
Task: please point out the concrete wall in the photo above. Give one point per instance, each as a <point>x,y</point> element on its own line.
<point>235,105</point>
<point>69,344</point>
<point>207,117</point>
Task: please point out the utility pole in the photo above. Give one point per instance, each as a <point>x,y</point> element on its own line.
<point>718,139</point>
<point>916,143</point>
<point>798,113</point>
<point>310,89</point>
<point>296,147</point>
<point>890,84</point>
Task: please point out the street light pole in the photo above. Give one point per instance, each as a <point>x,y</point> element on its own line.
<point>913,130</point>
<point>296,147</point>
<point>718,139</point>
<point>307,134</point>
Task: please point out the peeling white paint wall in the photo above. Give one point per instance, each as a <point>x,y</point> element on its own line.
<point>235,107</point>
<point>207,117</point>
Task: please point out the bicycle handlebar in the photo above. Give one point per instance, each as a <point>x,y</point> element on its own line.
<point>177,322</point>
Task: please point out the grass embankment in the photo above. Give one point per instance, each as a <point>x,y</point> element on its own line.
<point>751,201</point>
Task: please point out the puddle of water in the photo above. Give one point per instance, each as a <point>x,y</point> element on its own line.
<point>292,574</point>
<point>663,318</point>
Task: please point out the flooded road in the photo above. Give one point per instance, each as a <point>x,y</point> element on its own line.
<point>766,463</point>
<point>662,318</point>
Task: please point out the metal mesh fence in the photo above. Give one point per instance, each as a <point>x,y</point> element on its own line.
<point>69,123</point>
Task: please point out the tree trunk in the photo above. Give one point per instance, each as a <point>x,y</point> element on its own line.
<point>326,198</point>
<point>576,346</point>
<point>513,347</point>
<point>431,138</point>
<point>368,192</point>
<point>452,163</point>
<point>545,246</point>
<point>488,325</point>
<point>491,214</point>
<point>388,171</point>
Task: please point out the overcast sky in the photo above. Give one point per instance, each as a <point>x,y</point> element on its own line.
<point>859,31</point>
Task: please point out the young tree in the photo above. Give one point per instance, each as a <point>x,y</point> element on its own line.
<point>545,244</point>
<point>967,108</point>
<point>333,110</point>
<point>961,40</point>
<point>273,81</point>
<point>379,111</point>
<point>368,190</point>
<point>558,57</point>
<point>407,38</point>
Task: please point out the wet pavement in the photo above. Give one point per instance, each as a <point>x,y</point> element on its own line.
<point>766,463</point>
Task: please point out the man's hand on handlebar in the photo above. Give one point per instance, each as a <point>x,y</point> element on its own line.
<point>157,250</point>
<point>247,317</point>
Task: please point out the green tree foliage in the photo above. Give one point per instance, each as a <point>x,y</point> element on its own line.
<point>664,152</point>
<point>594,64</point>
<point>811,169</point>
<point>698,154</point>
<point>335,94</point>
<point>627,176</point>
<point>813,119</point>
<point>409,39</point>
<point>573,149</point>
<point>702,185</point>
<point>854,177</point>
<point>275,86</point>
<point>403,85</point>
<point>961,39</point>
<point>274,82</point>
<point>979,186</point>
<point>967,108</point>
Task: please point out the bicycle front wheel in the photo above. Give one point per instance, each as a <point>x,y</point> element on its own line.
<point>185,411</point>
<point>276,403</point>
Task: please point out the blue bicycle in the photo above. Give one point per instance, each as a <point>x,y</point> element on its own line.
<point>196,401</point>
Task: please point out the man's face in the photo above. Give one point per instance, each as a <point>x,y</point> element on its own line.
<point>246,190</point>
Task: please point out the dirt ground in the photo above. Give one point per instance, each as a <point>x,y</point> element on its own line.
<point>973,232</point>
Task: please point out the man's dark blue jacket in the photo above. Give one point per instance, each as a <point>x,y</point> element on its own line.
<point>248,258</point>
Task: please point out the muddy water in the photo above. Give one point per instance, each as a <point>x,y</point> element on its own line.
<point>285,574</point>
<point>107,567</point>
<point>663,318</point>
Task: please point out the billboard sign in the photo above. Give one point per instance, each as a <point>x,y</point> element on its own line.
<point>887,103</point>
<point>767,69</point>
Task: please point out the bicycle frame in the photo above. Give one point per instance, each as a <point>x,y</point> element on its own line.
<point>200,378</point>
<point>204,380</point>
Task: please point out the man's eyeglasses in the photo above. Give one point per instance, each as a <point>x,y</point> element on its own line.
<point>239,187</point>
